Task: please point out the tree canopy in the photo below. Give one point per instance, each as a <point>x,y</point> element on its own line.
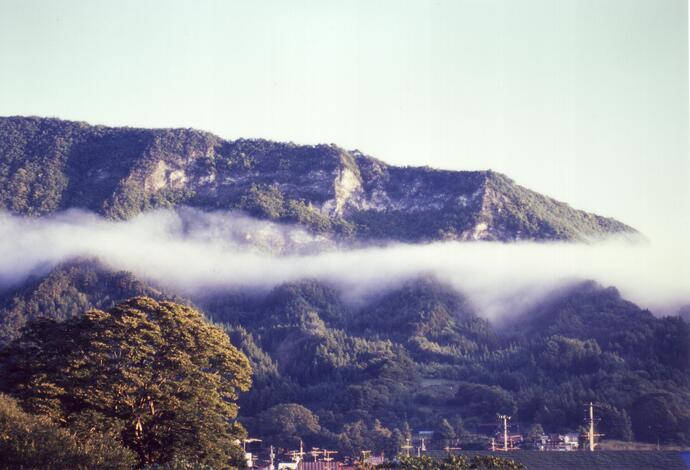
<point>154,374</point>
<point>351,365</point>
<point>29,441</point>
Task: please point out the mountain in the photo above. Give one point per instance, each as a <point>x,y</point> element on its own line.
<point>69,290</point>
<point>48,165</point>
<point>347,375</point>
<point>353,376</point>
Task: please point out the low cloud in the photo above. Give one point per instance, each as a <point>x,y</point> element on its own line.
<point>194,253</point>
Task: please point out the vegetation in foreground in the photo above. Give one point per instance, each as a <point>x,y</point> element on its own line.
<point>419,357</point>
<point>144,383</point>
<point>598,460</point>
<point>454,462</point>
<point>35,441</point>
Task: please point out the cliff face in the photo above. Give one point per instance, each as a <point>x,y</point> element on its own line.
<point>49,164</point>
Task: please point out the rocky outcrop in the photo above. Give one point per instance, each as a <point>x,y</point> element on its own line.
<point>49,164</point>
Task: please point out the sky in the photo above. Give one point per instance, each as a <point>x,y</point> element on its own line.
<point>583,100</point>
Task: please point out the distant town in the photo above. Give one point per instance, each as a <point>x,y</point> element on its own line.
<point>260,456</point>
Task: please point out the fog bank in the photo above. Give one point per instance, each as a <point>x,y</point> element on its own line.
<point>193,252</point>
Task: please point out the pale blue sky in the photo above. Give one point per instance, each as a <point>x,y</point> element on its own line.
<point>584,100</point>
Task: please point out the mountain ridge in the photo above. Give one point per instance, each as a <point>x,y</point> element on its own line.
<point>416,355</point>
<point>48,164</point>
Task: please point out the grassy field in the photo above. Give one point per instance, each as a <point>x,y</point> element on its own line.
<point>600,460</point>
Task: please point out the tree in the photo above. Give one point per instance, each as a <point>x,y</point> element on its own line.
<point>615,423</point>
<point>155,374</point>
<point>407,430</point>
<point>459,426</point>
<point>288,423</point>
<point>535,432</point>
<point>444,432</point>
<point>484,400</point>
<point>29,441</point>
<point>660,417</point>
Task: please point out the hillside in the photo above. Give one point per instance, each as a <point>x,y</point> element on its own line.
<point>344,375</point>
<point>69,290</point>
<point>48,165</point>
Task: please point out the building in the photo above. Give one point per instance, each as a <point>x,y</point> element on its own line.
<point>559,442</point>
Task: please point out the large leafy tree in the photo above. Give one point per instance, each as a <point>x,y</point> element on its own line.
<point>155,374</point>
<point>29,441</point>
<point>286,424</point>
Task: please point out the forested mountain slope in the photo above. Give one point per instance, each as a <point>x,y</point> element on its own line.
<point>344,375</point>
<point>49,164</point>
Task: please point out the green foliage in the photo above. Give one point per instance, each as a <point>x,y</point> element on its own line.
<point>535,432</point>
<point>179,464</point>
<point>604,460</point>
<point>484,401</point>
<point>543,370</point>
<point>154,374</point>
<point>30,441</point>
<point>49,164</point>
<point>444,432</point>
<point>516,209</point>
<point>570,356</point>
<point>69,290</point>
<point>660,417</point>
<point>453,462</point>
<point>359,436</point>
<point>288,424</point>
<point>349,366</point>
<point>615,423</point>
<point>264,201</point>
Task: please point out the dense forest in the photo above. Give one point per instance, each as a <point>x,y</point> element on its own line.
<point>418,357</point>
<point>99,368</point>
<point>48,165</point>
<point>141,384</point>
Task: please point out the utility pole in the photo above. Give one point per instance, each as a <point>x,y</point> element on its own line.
<point>505,419</point>
<point>406,447</point>
<point>591,435</point>
<point>327,457</point>
<point>248,440</point>
<point>315,452</point>
<point>450,449</point>
<point>298,456</point>
<point>421,449</point>
<point>591,427</point>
